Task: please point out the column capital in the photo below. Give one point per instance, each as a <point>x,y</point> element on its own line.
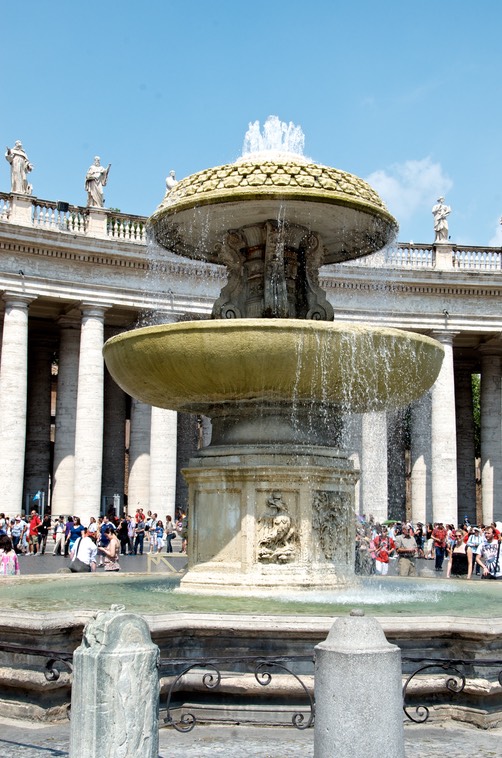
<point>492,347</point>
<point>94,309</point>
<point>17,298</point>
<point>445,337</point>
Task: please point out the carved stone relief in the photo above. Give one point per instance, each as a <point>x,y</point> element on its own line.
<point>331,512</point>
<point>277,535</point>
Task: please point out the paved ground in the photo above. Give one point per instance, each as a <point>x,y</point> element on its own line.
<point>455,740</point>
<point>49,564</point>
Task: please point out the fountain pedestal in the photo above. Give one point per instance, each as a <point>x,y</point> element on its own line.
<point>270,517</point>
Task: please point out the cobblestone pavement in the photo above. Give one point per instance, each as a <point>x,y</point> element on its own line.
<point>456,740</point>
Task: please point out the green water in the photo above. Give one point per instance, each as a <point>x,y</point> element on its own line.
<point>153,594</point>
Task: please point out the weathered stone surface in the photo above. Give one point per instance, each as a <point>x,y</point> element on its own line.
<point>115,696</point>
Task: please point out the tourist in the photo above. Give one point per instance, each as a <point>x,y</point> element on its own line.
<point>3,524</point>
<point>170,534</point>
<point>67,530</point>
<point>95,180</point>
<point>102,536</point>
<point>419,537</point>
<point>488,556</point>
<point>429,543</point>
<point>123,536</point>
<point>83,554</point>
<point>439,536</point>
<point>474,541</point>
<point>150,527</point>
<point>92,529</point>
<point>35,522</point>
<point>16,533</point>
<point>9,564</point>
<point>458,565</point>
<point>75,532</point>
<point>184,534</point>
<point>159,531</point>
<point>406,549</point>
<point>59,536</point>
<point>139,536</point>
<point>112,551</point>
<point>383,547</point>
<point>43,531</point>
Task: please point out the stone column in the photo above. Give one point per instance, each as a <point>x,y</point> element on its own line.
<point>138,490</point>
<point>444,438</point>
<point>66,411</point>
<point>374,466</point>
<point>352,443</point>
<point>466,464</point>
<point>89,419</point>
<point>38,433</point>
<point>491,433</point>
<point>114,442</point>
<point>421,465</point>
<point>13,399</point>
<point>163,442</point>
<point>115,692</point>
<point>354,712</point>
<point>396,463</point>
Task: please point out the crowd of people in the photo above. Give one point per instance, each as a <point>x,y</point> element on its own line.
<point>96,544</point>
<point>469,550</point>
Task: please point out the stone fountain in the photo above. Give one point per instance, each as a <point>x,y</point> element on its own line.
<point>271,500</point>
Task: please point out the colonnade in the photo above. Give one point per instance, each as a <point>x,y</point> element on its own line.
<point>90,436</point>
<point>94,422</point>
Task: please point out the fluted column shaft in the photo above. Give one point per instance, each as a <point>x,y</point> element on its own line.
<point>491,435</point>
<point>444,438</point>
<point>66,412</point>
<point>13,400</point>
<point>89,418</point>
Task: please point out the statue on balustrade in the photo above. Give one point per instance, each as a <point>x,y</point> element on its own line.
<point>440,211</point>
<point>95,180</point>
<point>19,168</point>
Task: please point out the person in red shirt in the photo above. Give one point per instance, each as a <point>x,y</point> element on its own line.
<point>33,532</point>
<point>383,546</point>
<point>439,539</point>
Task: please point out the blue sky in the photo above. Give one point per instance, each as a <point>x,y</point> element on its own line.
<point>405,94</point>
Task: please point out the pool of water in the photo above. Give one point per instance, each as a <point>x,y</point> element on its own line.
<point>154,595</point>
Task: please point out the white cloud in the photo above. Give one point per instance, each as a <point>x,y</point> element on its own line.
<point>410,187</point>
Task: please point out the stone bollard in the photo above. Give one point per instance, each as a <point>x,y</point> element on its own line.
<point>358,692</point>
<point>115,692</point>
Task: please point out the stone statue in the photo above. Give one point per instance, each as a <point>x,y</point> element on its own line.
<point>19,168</point>
<point>95,180</point>
<point>440,211</point>
<point>171,181</point>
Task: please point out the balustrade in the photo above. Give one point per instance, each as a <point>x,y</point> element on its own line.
<point>47,215</point>
<point>4,206</point>
<point>478,259</point>
<point>126,227</point>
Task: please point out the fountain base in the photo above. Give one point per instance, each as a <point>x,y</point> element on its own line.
<point>270,518</point>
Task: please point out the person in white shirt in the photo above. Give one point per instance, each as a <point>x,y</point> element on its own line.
<point>85,550</point>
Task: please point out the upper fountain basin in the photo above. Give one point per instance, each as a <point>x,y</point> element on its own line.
<point>348,214</point>
<point>198,366</point>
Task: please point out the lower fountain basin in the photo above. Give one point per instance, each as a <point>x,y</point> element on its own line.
<point>201,366</point>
